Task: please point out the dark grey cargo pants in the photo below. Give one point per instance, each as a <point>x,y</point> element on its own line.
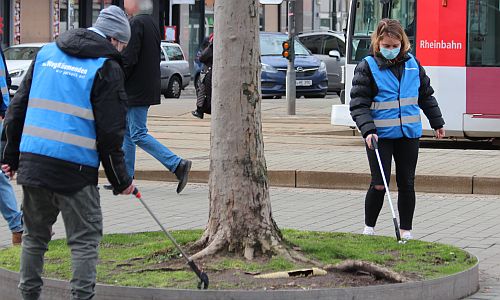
<point>82,217</point>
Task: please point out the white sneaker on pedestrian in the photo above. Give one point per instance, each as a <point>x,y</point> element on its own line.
<point>407,235</point>
<point>369,230</point>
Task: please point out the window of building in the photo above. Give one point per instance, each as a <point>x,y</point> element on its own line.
<point>68,15</point>
<point>483,45</point>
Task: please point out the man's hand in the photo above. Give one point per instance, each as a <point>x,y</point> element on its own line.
<point>439,133</point>
<point>8,171</point>
<point>128,190</point>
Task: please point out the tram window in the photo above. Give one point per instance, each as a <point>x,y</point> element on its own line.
<point>483,45</point>
<point>367,15</point>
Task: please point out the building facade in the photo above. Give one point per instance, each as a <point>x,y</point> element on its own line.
<point>186,22</point>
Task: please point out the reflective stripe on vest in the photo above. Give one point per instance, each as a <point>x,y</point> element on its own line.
<point>395,109</point>
<point>60,120</point>
<point>3,83</point>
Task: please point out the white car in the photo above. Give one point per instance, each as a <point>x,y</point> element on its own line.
<point>18,59</point>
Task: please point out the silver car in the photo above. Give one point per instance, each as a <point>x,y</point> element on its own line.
<point>329,46</point>
<point>174,68</point>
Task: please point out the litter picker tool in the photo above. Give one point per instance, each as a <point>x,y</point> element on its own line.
<point>394,219</point>
<point>203,284</point>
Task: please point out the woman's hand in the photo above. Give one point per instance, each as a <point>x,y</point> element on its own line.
<point>439,133</point>
<point>368,140</point>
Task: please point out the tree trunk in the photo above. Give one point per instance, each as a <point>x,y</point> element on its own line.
<point>240,217</point>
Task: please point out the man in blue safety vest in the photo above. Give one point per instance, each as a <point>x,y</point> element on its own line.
<point>8,203</point>
<point>67,117</point>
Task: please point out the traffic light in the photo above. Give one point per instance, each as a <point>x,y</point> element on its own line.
<point>286,49</point>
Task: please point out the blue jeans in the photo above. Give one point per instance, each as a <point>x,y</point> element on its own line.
<point>8,203</point>
<point>137,134</point>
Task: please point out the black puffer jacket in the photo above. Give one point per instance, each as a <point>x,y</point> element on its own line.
<point>141,61</point>
<point>364,89</point>
<point>109,105</point>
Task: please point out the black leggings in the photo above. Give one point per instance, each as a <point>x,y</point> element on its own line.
<point>405,152</point>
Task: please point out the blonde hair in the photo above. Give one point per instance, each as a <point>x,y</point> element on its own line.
<point>393,29</point>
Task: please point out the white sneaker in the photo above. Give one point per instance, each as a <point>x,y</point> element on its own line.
<point>369,230</point>
<point>407,235</point>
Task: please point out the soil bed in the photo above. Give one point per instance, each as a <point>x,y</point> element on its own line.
<point>149,260</point>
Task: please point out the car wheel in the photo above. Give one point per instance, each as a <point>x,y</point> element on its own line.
<point>174,88</point>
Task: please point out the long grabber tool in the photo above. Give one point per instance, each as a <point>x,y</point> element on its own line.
<point>203,284</point>
<point>394,219</point>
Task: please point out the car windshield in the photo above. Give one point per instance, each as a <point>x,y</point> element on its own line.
<point>21,53</point>
<point>272,45</point>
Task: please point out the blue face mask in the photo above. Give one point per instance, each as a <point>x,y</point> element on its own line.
<point>390,54</point>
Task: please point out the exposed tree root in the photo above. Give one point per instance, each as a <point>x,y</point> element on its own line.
<point>295,256</point>
<point>167,269</point>
<point>199,244</point>
<point>217,245</point>
<point>375,270</point>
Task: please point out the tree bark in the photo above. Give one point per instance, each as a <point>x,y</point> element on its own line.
<point>240,217</point>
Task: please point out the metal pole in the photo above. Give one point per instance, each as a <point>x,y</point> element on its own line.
<point>290,72</point>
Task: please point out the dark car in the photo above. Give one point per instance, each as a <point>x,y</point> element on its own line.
<point>329,46</point>
<point>311,77</point>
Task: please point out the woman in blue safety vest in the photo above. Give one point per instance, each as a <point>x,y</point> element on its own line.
<point>389,89</point>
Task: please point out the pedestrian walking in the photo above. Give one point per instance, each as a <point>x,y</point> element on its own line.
<point>142,69</point>
<point>8,203</point>
<point>204,90</point>
<point>67,117</point>
<point>389,89</point>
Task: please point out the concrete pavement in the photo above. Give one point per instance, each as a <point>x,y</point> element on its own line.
<point>309,152</point>
<point>466,221</point>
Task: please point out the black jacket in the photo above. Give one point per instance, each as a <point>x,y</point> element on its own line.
<point>364,89</point>
<point>109,105</point>
<point>141,61</point>
<point>207,55</point>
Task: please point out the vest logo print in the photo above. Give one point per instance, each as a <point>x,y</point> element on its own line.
<point>65,69</point>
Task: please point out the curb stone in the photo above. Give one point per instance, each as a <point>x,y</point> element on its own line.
<point>452,287</point>
<point>342,180</point>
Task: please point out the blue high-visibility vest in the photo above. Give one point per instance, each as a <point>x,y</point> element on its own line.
<point>4,90</point>
<point>395,109</point>
<point>60,119</point>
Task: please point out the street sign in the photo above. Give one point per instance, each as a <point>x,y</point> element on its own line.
<point>271,1</point>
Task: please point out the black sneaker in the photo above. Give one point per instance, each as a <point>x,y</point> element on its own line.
<point>107,187</point>
<point>197,114</point>
<point>182,173</point>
